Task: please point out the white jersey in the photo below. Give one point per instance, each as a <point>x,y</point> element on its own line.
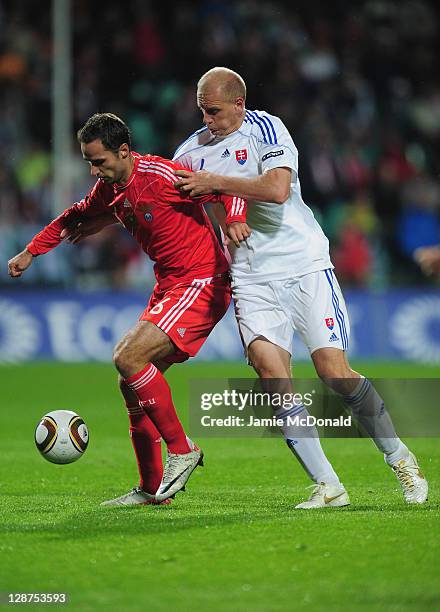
<point>286,241</point>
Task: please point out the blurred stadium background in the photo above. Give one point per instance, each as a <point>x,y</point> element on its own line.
<point>357,85</point>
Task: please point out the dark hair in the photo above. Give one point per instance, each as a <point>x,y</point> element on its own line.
<point>106,127</point>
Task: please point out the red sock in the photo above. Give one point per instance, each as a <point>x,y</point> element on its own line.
<point>146,442</point>
<point>154,396</point>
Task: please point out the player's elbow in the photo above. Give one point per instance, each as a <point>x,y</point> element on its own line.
<point>281,194</point>
<point>278,182</point>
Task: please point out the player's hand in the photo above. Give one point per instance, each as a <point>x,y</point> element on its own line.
<point>428,259</point>
<point>77,231</point>
<point>195,183</point>
<point>238,232</point>
<point>18,264</point>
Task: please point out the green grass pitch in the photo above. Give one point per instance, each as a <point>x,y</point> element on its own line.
<point>232,541</point>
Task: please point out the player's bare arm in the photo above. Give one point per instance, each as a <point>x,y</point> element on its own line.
<point>272,186</point>
<point>77,231</point>
<point>18,264</point>
<point>428,259</point>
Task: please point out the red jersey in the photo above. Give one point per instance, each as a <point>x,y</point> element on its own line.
<point>172,229</point>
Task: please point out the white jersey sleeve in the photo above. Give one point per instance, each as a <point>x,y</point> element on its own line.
<point>281,152</point>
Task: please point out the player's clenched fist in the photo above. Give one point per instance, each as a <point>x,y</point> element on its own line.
<point>18,264</point>
<point>429,259</point>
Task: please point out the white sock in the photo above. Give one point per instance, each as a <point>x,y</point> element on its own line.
<point>369,410</point>
<point>304,442</point>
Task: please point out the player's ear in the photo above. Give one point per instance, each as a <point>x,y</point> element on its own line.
<point>239,102</point>
<point>124,151</point>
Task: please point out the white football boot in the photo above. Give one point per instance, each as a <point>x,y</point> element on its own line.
<point>325,496</point>
<point>177,470</point>
<point>134,497</point>
<point>412,480</point>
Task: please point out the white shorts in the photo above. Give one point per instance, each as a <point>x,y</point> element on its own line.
<point>312,305</point>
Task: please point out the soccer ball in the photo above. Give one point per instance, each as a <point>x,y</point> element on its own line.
<point>61,436</point>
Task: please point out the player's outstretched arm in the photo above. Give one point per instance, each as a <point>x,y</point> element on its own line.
<point>272,186</point>
<point>18,264</point>
<point>78,230</point>
<point>94,205</point>
<point>74,232</point>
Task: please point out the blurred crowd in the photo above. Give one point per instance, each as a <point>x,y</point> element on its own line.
<point>355,82</point>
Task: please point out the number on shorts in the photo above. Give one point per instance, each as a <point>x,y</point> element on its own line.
<point>159,307</point>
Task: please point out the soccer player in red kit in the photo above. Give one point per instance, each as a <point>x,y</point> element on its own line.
<point>191,295</point>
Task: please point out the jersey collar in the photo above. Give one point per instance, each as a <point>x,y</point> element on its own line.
<point>245,127</point>
<point>119,187</point>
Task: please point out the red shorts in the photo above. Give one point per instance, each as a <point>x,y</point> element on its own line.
<point>188,312</point>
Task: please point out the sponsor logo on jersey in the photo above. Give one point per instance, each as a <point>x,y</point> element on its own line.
<point>126,204</point>
<point>329,322</point>
<point>333,338</point>
<point>241,156</point>
<point>225,154</point>
<point>148,216</point>
<point>181,331</point>
<point>272,154</point>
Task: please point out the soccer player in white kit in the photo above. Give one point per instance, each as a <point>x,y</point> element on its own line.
<point>283,279</point>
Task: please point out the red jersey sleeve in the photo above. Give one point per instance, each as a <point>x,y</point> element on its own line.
<point>95,203</point>
<point>234,206</point>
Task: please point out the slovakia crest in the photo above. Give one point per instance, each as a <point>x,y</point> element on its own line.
<point>148,216</point>
<point>241,156</point>
<point>329,322</point>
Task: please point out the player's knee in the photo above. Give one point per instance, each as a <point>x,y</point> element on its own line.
<point>265,372</point>
<point>263,367</point>
<point>129,357</point>
<point>335,375</point>
<point>122,358</point>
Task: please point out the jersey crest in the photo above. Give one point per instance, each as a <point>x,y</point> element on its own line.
<point>241,156</point>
